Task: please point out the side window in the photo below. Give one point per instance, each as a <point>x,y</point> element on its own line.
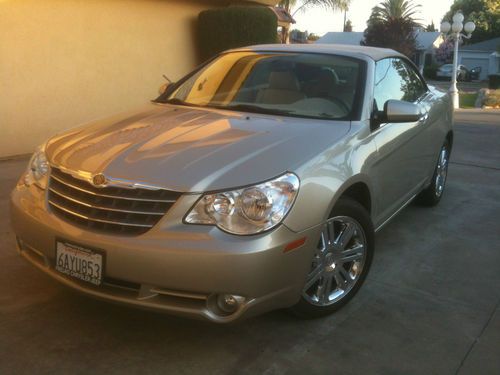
<point>395,79</point>
<point>414,87</point>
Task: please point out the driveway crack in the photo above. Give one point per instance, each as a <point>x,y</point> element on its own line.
<point>475,165</point>
<point>476,340</point>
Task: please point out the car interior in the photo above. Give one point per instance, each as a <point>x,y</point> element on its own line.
<point>304,87</point>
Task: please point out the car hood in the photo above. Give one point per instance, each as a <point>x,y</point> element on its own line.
<point>192,149</point>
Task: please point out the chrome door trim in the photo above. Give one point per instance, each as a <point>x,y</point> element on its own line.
<point>395,213</point>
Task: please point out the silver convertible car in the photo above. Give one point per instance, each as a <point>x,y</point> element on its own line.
<point>256,182</point>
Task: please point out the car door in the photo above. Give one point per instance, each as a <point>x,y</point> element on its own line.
<point>427,138</point>
<point>400,167</point>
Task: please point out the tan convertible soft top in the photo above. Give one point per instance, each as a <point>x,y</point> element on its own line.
<point>338,49</point>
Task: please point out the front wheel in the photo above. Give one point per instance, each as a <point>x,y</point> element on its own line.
<point>341,261</point>
<point>432,194</point>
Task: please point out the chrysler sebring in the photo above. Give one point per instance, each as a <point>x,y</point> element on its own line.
<point>256,182</point>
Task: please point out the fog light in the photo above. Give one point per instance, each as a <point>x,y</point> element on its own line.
<point>228,303</point>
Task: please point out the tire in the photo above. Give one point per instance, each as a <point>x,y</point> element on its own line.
<point>338,267</point>
<point>432,195</point>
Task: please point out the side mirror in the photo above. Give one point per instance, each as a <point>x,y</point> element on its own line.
<point>401,111</point>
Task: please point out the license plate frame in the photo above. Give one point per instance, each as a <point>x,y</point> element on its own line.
<point>80,262</point>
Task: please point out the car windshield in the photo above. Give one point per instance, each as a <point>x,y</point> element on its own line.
<point>447,67</point>
<point>289,84</point>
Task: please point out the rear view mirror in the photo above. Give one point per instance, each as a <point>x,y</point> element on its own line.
<point>401,111</point>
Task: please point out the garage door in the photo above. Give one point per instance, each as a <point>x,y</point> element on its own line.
<point>470,63</point>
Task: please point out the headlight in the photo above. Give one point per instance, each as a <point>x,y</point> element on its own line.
<point>249,210</point>
<point>38,169</point>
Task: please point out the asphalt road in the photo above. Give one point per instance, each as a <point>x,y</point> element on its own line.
<point>429,306</point>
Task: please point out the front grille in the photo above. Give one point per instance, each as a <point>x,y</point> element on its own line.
<point>113,210</point>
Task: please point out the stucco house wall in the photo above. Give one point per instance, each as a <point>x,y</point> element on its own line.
<point>66,62</point>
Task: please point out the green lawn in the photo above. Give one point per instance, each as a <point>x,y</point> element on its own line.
<point>467,100</point>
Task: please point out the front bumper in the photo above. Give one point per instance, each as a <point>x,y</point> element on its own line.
<point>174,267</point>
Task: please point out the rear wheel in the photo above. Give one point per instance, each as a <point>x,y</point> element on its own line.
<point>432,194</point>
<point>341,261</point>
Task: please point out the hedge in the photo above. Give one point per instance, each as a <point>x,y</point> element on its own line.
<point>233,27</point>
<point>430,71</point>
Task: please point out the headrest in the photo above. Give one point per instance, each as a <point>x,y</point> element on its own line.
<point>283,81</point>
<point>327,77</point>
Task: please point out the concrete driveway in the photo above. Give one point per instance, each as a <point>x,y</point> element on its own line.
<point>430,304</point>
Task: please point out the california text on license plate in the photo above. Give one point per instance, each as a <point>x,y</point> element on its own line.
<point>79,262</point>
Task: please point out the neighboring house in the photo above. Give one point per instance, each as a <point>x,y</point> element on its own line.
<point>352,38</point>
<point>285,20</point>
<point>483,54</point>
<point>426,43</point>
<point>67,62</point>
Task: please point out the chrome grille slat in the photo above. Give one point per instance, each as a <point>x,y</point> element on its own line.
<point>111,209</point>
<point>96,219</point>
<point>108,195</point>
<point>100,207</point>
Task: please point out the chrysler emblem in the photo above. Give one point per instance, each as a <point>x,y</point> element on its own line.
<point>99,180</point>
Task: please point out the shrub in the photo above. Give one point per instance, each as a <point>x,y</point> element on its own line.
<point>430,71</point>
<point>233,27</point>
<point>492,99</point>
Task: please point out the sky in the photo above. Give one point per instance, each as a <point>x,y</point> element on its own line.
<point>319,21</point>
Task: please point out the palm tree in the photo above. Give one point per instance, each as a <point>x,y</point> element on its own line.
<point>392,25</point>
<point>329,4</point>
<point>287,4</point>
<point>301,5</point>
<point>396,10</point>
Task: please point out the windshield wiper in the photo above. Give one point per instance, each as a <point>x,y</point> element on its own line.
<point>235,107</point>
<point>252,108</point>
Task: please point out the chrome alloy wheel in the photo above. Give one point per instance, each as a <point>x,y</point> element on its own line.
<point>338,262</point>
<point>442,171</point>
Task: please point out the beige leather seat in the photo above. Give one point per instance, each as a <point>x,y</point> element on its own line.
<point>283,88</point>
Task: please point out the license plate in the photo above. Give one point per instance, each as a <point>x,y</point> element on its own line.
<point>79,262</point>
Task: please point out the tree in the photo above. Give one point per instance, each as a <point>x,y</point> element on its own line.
<point>444,53</point>
<point>301,5</point>
<point>328,4</point>
<point>391,25</point>
<point>396,9</point>
<point>312,37</point>
<point>431,27</point>
<point>484,13</point>
<point>348,26</point>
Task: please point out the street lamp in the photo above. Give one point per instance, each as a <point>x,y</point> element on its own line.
<point>456,27</point>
